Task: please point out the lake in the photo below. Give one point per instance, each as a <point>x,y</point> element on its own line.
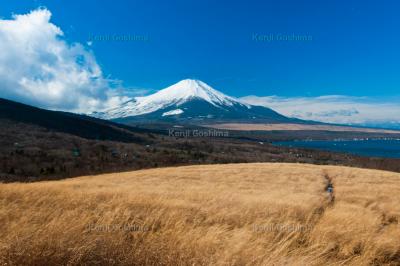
<point>371,148</point>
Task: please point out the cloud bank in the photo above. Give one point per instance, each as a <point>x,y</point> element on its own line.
<point>38,67</point>
<point>338,109</point>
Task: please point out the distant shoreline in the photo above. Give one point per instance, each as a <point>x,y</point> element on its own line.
<point>295,127</point>
<point>380,148</point>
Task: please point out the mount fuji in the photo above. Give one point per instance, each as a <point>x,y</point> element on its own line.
<point>190,101</point>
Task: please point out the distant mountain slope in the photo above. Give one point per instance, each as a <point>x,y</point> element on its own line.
<point>78,125</point>
<point>192,101</point>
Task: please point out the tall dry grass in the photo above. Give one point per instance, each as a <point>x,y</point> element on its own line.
<point>237,214</point>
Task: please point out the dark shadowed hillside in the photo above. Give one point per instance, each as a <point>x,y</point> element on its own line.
<point>78,125</point>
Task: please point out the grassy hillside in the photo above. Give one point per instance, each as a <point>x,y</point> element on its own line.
<point>37,144</point>
<point>31,153</point>
<point>235,214</point>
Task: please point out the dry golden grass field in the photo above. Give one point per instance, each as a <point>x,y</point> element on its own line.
<point>234,214</point>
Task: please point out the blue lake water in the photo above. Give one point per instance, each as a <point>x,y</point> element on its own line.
<point>370,148</point>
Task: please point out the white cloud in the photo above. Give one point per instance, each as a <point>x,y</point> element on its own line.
<point>335,109</point>
<point>38,67</point>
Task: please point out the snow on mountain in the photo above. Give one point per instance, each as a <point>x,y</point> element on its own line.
<point>173,112</point>
<point>175,95</point>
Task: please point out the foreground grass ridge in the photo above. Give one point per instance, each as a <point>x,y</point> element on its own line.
<point>235,214</point>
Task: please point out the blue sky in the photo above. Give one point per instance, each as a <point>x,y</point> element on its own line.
<point>354,46</point>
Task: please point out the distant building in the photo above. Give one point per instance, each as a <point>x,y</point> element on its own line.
<point>76,152</point>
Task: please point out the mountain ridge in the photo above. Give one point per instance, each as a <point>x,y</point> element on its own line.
<point>193,101</point>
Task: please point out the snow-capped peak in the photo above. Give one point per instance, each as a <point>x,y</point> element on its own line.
<point>190,88</point>
<point>174,95</point>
